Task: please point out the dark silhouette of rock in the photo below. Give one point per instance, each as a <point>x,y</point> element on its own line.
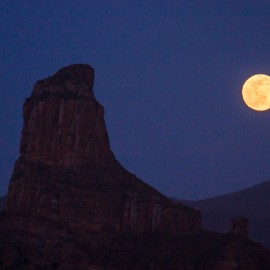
<point>66,170</point>
<point>249,203</point>
<point>63,122</point>
<point>2,202</point>
<point>71,205</point>
<point>239,227</point>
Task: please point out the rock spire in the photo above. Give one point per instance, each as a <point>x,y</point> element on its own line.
<point>71,205</point>
<point>66,170</point>
<point>63,122</point>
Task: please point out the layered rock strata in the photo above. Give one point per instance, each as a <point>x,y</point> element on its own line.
<point>71,205</point>
<point>67,172</point>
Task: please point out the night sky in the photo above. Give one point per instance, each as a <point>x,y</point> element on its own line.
<point>169,75</point>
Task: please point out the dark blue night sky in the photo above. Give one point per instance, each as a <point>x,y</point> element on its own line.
<point>169,74</point>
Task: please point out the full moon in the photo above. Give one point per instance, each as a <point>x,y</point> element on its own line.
<point>256,92</point>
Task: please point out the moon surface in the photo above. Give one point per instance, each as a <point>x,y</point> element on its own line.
<point>256,92</point>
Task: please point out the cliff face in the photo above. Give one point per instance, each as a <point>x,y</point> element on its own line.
<point>63,122</point>
<point>67,173</point>
<point>71,205</point>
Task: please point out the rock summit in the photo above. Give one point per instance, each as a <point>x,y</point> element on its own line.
<point>71,205</point>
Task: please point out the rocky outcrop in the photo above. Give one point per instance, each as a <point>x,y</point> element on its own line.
<point>63,122</point>
<point>239,227</point>
<point>67,173</point>
<point>71,205</point>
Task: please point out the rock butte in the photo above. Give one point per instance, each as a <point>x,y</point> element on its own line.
<point>71,205</point>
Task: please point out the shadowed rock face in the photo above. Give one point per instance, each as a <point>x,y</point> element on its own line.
<point>63,122</point>
<point>2,202</point>
<point>71,205</point>
<point>67,173</point>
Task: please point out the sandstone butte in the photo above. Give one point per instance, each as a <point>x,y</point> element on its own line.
<point>71,205</point>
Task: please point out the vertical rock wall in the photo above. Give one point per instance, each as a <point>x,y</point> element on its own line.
<point>71,205</point>
<point>63,122</point>
<point>67,173</point>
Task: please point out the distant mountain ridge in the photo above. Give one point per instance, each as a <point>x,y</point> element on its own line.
<point>252,203</point>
